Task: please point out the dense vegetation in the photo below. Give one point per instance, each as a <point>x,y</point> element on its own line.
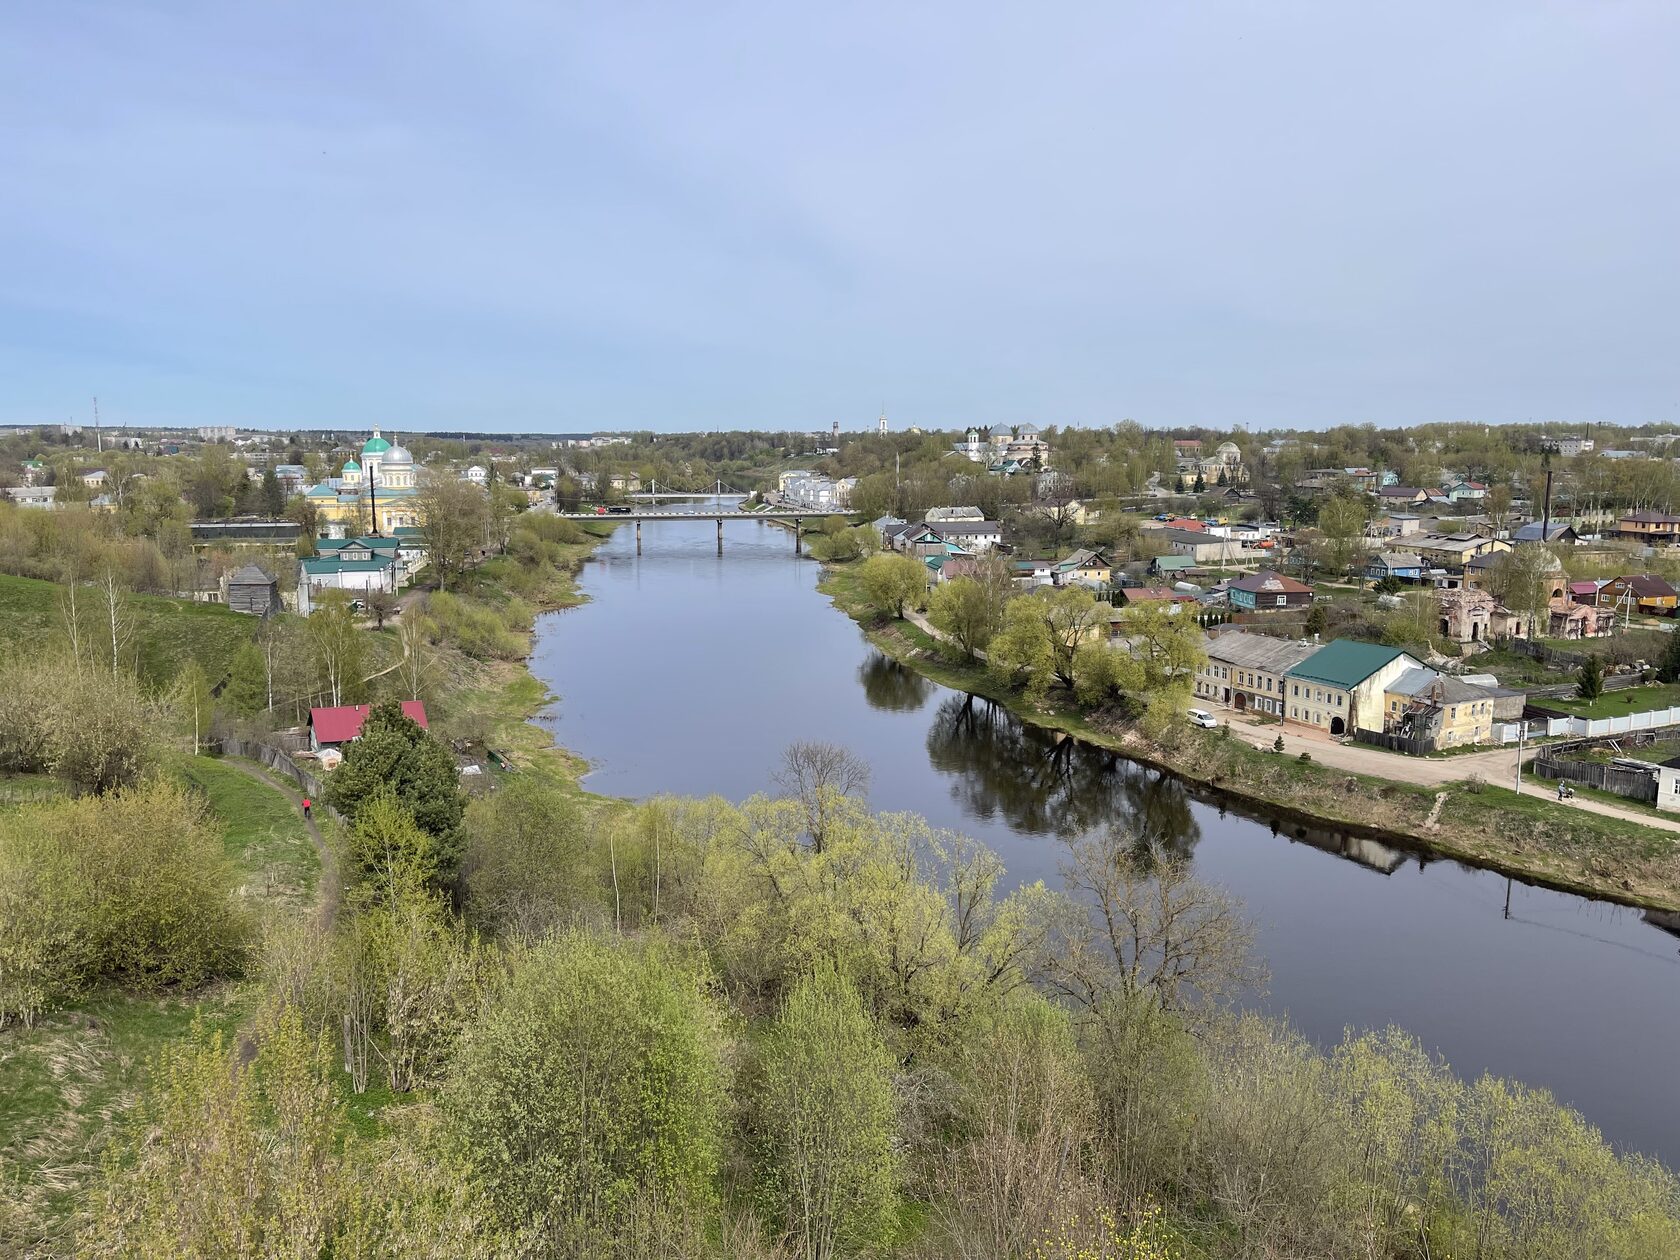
<point>530,1023</point>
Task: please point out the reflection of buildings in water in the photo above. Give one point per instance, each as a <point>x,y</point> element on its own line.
<point>1374,855</point>
<point>1047,783</point>
<point>891,686</point>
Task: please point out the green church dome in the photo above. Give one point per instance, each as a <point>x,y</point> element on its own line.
<point>375,445</point>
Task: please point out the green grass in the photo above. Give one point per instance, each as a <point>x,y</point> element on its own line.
<point>26,789</point>
<point>1618,703</point>
<point>66,1085</point>
<point>264,834</point>
<point>167,632</point>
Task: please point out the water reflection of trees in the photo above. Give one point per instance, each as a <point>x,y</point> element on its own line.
<point>889,685</point>
<point>1043,784</point>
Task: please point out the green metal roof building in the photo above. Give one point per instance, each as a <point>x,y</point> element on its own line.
<point>1346,663</point>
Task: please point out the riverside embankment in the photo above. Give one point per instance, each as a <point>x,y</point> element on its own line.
<point>1451,806</point>
<point>689,673</point>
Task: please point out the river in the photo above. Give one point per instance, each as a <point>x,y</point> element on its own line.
<point>689,673</point>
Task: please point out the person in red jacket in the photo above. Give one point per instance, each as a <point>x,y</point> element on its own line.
<point>306,807</point>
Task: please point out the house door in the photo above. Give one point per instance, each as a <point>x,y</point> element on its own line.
<point>1242,701</point>
<point>1337,726</point>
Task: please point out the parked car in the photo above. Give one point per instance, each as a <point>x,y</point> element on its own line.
<point>1202,718</point>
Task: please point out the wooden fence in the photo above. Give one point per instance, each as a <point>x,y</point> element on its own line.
<point>1636,785</point>
<point>1395,743</point>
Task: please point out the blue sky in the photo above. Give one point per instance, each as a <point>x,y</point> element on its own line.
<point>506,215</point>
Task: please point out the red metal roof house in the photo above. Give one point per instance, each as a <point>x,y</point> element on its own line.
<point>328,728</point>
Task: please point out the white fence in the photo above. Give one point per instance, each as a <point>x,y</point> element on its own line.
<point>1593,728</point>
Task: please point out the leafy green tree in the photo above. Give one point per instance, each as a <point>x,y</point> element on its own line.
<point>823,1122</point>
<point>455,518</point>
<point>1668,666</point>
<point>273,496</point>
<point>593,1084</point>
<point>395,756</point>
<point>1042,634</point>
<point>194,703</point>
<point>387,850</point>
<point>890,582</point>
<point>969,611</point>
<point>528,864</point>
<point>1318,620</point>
<point>246,693</point>
<point>1589,679</point>
<point>337,647</point>
<point>1341,518</point>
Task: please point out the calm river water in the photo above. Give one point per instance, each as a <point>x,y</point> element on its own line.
<point>689,673</point>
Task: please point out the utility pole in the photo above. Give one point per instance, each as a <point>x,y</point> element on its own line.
<point>98,436</point>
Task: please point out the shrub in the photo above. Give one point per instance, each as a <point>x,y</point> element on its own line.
<point>474,628</point>
<point>132,887</point>
<point>823,1124</point>
<point>527,866</point>
<point>593,1083</point>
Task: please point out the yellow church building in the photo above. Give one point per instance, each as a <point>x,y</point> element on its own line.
<point>374,495</point>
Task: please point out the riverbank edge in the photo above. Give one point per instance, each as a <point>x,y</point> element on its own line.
<point>897,640</point>
<point>520,696</point>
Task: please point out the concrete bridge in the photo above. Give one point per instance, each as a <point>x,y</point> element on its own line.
<point>786,516</point>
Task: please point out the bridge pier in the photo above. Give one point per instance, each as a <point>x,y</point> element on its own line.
<point>797,522</point>
<point>720,535</point>
<point>639,537</point>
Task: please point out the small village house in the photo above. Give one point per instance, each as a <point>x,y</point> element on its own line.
<point>254,590</point>
<point>1268,590</point>
<point>1085,567</point>
<point>335,726</point>
<point>1438,709</point>
<point>1653,528</point>
<point>1643,592</point>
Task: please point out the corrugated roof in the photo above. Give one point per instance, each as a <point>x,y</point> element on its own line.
<point>1346,663</point>
<point>1270,582</point>
<point>332,564</point>
<point>344,723</point>
<point>1259,651</point>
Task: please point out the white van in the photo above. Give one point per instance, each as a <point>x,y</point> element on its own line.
<point>1201,717</point>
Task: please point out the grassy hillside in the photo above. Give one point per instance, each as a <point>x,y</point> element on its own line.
<point>168,632</point>
<point>67,1082</point>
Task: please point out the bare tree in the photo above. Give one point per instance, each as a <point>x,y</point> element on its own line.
<point>819,776</point>
<point>1140,926</point>
<point>115,617</point>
